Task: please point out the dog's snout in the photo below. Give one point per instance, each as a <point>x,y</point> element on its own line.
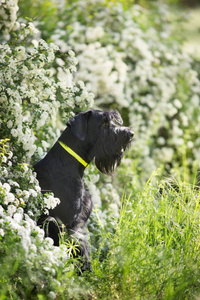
<point>131,134</point>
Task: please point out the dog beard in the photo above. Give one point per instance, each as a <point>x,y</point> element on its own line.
<point>109,149</point>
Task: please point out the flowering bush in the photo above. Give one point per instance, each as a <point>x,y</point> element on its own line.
<point>34,263</point>
<point>37,90</point>
<point>31,96</point>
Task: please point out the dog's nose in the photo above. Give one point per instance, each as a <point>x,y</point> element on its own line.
<point>131,134</point>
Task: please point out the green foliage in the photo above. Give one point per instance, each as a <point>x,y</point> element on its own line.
<point>45,11</point>
<point>154,253</point>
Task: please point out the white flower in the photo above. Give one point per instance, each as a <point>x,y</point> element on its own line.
<point>40,151</point>
<point>161,140</point>
<point>25,194</point>
<point>81,84</point>
<point>11,209</point>
<point>32,28</point>
<point>51,56</point>
<point>53,47</point>
<point>45,145</point>
<point>6,187</point>
<point>9,197</point>
<point>9,123</point>
<point>14,183</point>
<point>10,155</point>
<point>190,144</point>
<point>21,53</point>
<point>171,110</point>
<point>94,33</point>
<point>3,98</point>
<point>14,132</point>
<point>40,233</point>
<point>34,100</point>
<point>4,159</point>
<point>42,120</point>
<point>18,217</point>
<point>51,202</point>
<point>166,154</point>
<point>52,295</point>
<point>2,232</point>
<point>43,44</point>
<point>71,53</point>
<point>177,103</point>
<point>73,69</point>
<point>49,241</point>
<point>1,211</point>
<point>32,192</point>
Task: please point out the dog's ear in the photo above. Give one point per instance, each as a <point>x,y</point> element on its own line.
<point>78,125</point>
<point>116,117</point>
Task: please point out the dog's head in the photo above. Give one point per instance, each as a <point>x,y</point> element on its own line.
<point>102,136</point>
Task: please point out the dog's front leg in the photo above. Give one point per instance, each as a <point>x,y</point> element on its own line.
<point>80,236</point>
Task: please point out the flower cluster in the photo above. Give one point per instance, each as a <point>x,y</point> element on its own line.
<point>8,17</point>
<point>19,187</point>
<point>26,243</point>
<point>31,96</point>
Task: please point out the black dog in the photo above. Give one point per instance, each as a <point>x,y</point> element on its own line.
<point>89,135</point>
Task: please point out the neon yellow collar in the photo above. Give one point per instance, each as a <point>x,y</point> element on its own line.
<point>74,154</point>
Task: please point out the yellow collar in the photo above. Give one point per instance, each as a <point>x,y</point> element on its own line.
<point>75,155</point>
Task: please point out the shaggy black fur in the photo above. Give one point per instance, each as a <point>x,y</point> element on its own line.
<point>92,134</point>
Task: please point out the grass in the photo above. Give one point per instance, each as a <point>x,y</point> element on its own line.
<point>154,253</point>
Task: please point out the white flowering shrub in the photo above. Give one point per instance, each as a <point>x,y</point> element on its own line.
<point>37,92</point>
<point>31,97</point>
<point>30,263</point>
<point>36,261</point>
<point>19,186</point>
